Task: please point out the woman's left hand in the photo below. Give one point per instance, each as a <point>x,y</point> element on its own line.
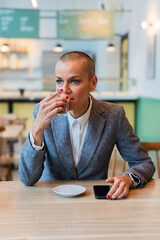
<point>120,187</point>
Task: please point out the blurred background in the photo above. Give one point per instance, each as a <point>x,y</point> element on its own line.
<point>121,36</point>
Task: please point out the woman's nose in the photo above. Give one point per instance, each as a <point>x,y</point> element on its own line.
<point>66,89</point>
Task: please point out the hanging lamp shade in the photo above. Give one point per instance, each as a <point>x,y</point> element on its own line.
<point>34,3</point>
<point>5,48</point>
<point>111,47</point>
<point>58,48</point>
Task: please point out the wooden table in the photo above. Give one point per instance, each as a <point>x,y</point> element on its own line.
<point>36,213</point>
<point>12,118</point>
<point>12,132</point>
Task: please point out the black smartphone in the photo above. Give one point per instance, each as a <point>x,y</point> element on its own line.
<point>100,191</point>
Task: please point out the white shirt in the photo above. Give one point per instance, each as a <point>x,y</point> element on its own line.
<point>77,129</point>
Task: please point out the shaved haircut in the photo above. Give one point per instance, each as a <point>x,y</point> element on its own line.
<point>80,56</point>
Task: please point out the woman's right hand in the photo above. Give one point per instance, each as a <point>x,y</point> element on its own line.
<point>49,106</point>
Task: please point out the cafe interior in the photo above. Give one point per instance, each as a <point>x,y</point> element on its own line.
<point>126,58</point>
<point>121,36</point>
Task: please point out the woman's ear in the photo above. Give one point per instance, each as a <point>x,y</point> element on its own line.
<point>93,83</point>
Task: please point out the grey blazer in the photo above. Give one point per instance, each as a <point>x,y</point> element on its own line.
<point>107,126</point>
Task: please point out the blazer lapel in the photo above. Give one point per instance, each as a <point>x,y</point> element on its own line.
<point>62,140</point>
<point>93,136</point>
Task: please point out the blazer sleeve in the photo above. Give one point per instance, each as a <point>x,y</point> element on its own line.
<point>31,163</point>
<point>132,151</point>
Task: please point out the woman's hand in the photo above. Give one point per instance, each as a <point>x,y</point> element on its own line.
<point>120,187</point>
<point>49,106</point>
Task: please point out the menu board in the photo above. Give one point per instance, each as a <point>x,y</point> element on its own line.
<point>19,23</point>
<point>72,24</point>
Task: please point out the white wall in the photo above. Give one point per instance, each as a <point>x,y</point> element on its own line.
<point>148,10</point>
<point>108,64</point>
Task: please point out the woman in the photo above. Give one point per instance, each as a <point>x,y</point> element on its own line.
<point>79,146</point>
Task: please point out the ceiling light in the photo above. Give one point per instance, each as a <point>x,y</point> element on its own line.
<point>5,48</point>
<point>111,47</point>
<point>144,25</point>
<point>34,3</point>
<point>58,48</point>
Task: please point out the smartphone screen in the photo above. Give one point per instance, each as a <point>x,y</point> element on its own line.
<point>100,191</point>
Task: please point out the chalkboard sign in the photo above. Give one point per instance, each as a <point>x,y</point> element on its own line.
<point>19,23</point>
<point>85,24</point>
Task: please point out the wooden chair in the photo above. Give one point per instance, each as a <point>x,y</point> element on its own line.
<point>153,146</point>
<point>114,159</point>
<point>149,146</point>
<point>3,170</point>
<point>2,128</point>
<point>3,173</point>
<point>12,119</point>
<point>5,161</point>
<point>7,118</point>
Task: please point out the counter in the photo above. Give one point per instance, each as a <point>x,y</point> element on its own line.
<point>39,95</point>
<point>14,102</point>
<point>116,96</point>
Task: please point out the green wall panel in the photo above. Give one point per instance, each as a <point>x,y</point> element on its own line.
<point>148,119</point>
<point>3,108</point>
<point>24,110</point>
<point>130,109</point>
<point>83,24</point>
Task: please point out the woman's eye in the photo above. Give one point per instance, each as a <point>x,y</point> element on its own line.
<point>75,81</point>
<point>58,81</point>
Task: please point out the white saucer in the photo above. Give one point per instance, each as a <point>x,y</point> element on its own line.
<point>69,190</point>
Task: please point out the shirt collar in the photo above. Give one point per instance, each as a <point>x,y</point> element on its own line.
<point>82,119</point>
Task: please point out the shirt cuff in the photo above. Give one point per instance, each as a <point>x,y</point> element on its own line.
<point>37,148</point>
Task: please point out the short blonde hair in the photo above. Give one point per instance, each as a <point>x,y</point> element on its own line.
<point>80,56</point>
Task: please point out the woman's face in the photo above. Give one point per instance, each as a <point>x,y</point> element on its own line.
<point>72,77</point>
